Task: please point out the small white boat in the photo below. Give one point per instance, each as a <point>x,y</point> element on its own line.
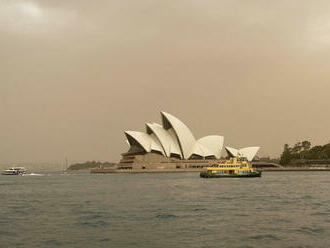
<point>14,171</point>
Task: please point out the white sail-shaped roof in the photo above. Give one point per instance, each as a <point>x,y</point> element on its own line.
<point>174,138</point>
<point>147,142</point>
<point>213,143</point>
<point>201,151</point>
<point>232,152</point>
<point>249,152</point>
<point>156,145</point>
<point>163,136</point>
<point>185,137</point>
<point>174,147</point>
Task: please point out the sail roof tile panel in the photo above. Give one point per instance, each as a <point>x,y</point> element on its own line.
<point>185,137</point>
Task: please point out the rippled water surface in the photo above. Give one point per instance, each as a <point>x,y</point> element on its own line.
<point>280,209</point>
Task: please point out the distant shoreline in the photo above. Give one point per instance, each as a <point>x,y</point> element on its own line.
<point>114,171</point>
<point>297,169</point>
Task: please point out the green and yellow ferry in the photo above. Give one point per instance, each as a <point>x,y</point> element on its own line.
<point>233,167</point>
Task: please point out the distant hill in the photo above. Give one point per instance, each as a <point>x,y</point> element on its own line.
<point>90,164</point>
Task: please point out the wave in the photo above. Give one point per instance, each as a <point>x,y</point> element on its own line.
<point>166,216</point>
<point>34,174</point>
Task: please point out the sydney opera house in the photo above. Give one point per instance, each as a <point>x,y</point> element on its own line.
<point>173,146</point>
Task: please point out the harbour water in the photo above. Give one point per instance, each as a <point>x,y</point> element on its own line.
<point>280,209</point>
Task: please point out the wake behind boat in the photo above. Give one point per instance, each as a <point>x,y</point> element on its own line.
<point>34,174</point>
<point>14,171</point>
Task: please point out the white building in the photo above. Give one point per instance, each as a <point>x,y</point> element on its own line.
<point>173,145</point>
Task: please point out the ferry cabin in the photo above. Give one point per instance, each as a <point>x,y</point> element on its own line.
<point>234,166</point>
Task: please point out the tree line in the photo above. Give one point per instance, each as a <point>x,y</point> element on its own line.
<point>90,164</point>
<point>304,151</point>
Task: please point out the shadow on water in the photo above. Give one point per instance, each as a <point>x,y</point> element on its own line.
<point>166,216</point>
<point>264,237</point>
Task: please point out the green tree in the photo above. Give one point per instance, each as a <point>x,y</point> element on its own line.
<point>306,145</point>
<point>286,155</point>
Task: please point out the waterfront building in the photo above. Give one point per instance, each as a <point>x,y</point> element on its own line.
<point>170,145</point>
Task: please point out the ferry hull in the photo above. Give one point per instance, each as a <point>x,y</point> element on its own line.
<point>10,174</point>
<point>15,171</point>
<point>216,175</point>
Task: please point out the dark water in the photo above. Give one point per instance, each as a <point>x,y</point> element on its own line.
<point>165,210</point>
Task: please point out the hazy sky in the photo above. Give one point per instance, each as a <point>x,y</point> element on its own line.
<point>75,74</point>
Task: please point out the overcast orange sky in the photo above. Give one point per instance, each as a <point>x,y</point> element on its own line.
<point>74,75</point>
